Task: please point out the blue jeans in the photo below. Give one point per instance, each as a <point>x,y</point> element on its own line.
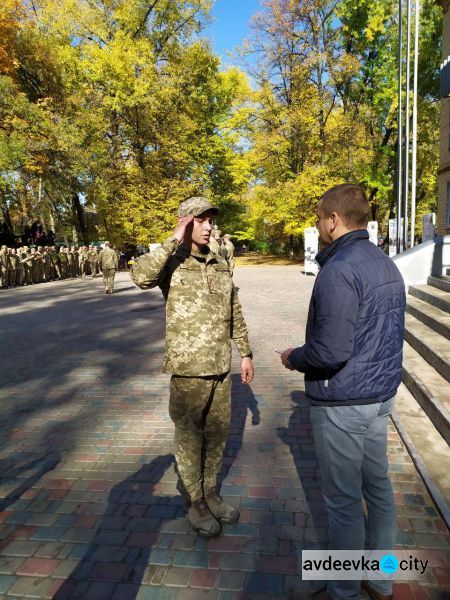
<point>351,447</point>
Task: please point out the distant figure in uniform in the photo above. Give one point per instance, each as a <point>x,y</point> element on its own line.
<point>228,247</point>
<point>109,263</point>
<point>93,260</point>
<point>215,241</point>
<point>4,266</point>
<point>203,315</point>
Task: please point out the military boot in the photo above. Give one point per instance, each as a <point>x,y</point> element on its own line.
<point>202,520</point>
<point>223,511</point>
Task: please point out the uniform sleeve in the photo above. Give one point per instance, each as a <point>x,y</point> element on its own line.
<point>239,331</point>
<point>146,272</point>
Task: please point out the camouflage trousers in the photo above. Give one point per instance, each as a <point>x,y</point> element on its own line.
<point>200,408</point>
<point>108,279</point>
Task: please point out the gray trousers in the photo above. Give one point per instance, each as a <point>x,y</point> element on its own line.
<point>351,447</point>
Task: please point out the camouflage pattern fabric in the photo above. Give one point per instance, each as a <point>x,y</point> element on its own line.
<point>203,312</point>
<point>200,408</point>
<point>229,255</point>
<point>108,279</point>
<point>108,259</point>
<point>214,246</point>
<point>196,206</point>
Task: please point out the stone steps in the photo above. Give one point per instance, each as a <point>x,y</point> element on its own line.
<point>441,283</point>
<point>423,401</point>
<point>431,390</point>
<point>429,447</point>
<point>434,296</point>
<point>432,346</point>
<point>433,317</point>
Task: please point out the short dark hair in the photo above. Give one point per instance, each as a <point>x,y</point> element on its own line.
<point>349,202</point>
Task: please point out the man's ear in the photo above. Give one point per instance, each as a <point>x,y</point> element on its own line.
<point>334,221</point>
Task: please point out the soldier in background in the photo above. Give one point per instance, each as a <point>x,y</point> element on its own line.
<point>20,268</point>
<point>46,264</point>
<point>215,242</point>
<point>56,261</point>
<point>109,263</point>
<point>4,266</point>
<point>203,314</point>
<point>228,248</point>
<point>83,261</point>
<point>13,263</point>
<point>73,262</point>
<point>27,261</point>
<point>39,258</point>
<point>92,255</point>
<point>64,260</point>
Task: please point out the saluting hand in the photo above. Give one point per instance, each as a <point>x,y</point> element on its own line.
<point>183,224</point>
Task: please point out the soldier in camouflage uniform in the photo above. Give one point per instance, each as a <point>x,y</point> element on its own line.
<point>109,263</point>
<point>215,241</point>
<point>12,267</point>
<point>20,267</point>
<point>4,266</point>
<point>83,261</point>
<point>203,314</point>
<point>64,260</point>
<point>93,260</point>
<point>228,248</point>
<point>47,264</point>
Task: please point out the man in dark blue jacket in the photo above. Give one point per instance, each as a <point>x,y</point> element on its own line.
<point>352,361</point>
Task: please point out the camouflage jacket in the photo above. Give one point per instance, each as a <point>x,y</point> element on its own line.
<point>203,312</point>
<point>108,259</point>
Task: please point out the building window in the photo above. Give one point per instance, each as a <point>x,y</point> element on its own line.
<point>447,218</point>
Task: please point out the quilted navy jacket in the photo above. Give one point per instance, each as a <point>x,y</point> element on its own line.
<point>354,334</point>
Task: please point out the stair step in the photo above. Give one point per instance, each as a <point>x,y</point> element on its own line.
<point>442,283</point>
<point>429,388</point>
<point>435,318</point>
<point>434,348</point>
<point>432,295</point>
<point>429,444</point>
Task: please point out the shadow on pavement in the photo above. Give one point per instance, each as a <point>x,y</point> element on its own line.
<point>126,537</point>
<point>242,402</point>
<point>298,436</point>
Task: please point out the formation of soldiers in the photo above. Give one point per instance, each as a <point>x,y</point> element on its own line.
<point>32,265</point>
<point>29,266</point>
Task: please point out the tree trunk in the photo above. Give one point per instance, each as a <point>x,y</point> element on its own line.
<point>79,212</point>
<point>6,215</point>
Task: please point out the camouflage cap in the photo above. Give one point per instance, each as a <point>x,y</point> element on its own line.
<point>196,206</point>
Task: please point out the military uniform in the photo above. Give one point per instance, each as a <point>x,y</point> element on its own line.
<point>228,247</point>
<point>109,264</point>
<point>20,267</point>
<point>13,268</point>
<point>47,265</point>
<point>4,266</point>
<point>93,258</point>
<point>56,263</point>
<point>203,315</point>
<point>83,261</point>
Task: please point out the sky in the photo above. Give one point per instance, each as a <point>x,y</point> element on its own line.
<point>231,25</point>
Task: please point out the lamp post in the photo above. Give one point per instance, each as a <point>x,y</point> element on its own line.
<point>406,171</point>
<point>414,123</point>
<point>400,125</point>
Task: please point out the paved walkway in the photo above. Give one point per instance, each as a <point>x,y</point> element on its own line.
<point>88,500</point>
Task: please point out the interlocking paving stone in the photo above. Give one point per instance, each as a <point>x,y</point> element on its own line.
<point>87,439</point>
